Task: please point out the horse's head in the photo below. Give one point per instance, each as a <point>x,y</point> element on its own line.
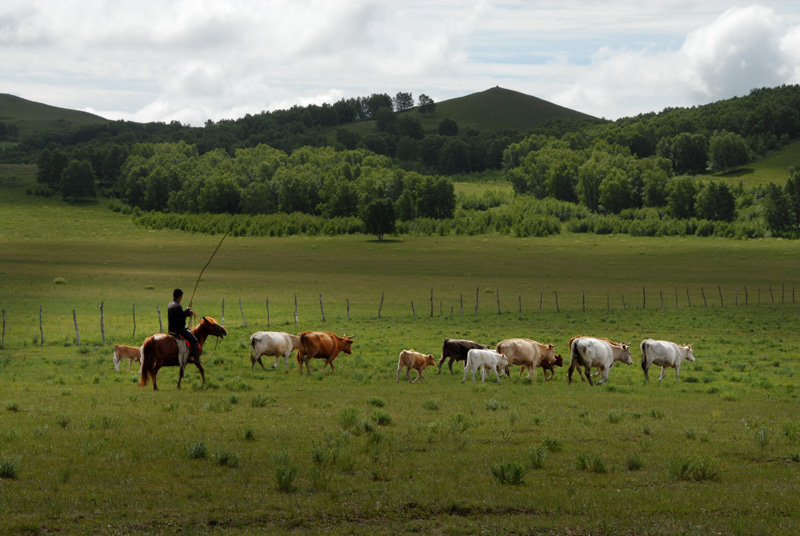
<point>213,328</point>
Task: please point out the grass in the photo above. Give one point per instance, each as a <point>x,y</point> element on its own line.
<point>358,452</point>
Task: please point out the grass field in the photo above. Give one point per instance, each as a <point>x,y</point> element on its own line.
<point>83,449</point>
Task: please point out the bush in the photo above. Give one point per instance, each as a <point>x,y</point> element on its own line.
<point>634,462</point>
<point>9,467</point>
<point>685,468</point>
<point>537,456</point>
<point>348,418</point>
<point>381,418</point>
<point>508,473</point>
<point>196,450</point>
<point>226,459</point>
<point>285,472</point>
<point>431,405</point>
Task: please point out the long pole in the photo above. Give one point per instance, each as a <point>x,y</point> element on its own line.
<point>204,268</point>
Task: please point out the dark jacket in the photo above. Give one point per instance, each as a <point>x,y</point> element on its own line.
<point>176,317</point>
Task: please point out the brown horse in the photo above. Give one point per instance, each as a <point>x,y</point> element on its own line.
<point>161,350</point>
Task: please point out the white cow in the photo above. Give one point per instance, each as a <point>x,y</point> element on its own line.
<point>273,343</point>
<point>664,354</point>
<point>589,352</point>
<point>484,359</point>
<point>134,353</point>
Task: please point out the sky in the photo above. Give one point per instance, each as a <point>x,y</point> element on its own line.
<point>197,60</point>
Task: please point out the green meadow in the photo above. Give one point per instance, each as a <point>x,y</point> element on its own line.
<point>84,449</point>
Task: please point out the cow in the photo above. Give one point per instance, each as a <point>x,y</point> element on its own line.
<point>134,353</point>
<point>589,352</point>
<point>664,354</point>
<point>414,360</point>
<point>322,345</point>
<point>484,359</point>
<point>549,365</point>
<point>272,343</point>
<point>527,353</point>
<point>456,350</point>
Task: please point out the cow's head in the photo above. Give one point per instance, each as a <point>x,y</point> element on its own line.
<point>626,349</point>
<point>558,360</point>
<point>430,360</point>
<point>502,362</point>
<point>689,354</point>
<point>347,343</point>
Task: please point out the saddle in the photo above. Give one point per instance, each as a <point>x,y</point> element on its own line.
<point>184,348</point>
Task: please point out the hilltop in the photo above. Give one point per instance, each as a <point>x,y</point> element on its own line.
<point>31,117</point>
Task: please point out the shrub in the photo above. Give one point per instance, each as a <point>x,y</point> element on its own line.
<point>381,418</point>
<point>634,462</point>
<point>376,401</point>
<point>595,464</point>
<point>537,456</point>
<point>319,454</point>
<point>685,468</point>
<point>285,471</point>
<point>763,435</point>
<point>615,416</point>
<point>261,400</point>
<point>509,473</point>
<point>59,281</point>
<point>248,434</point>
<point>226,459</point>
<point>12,405</point>
<point>348,418</point>
<point>492,405</point>
<point>553,444</point>
<point>9,467</point>
<point>319,477</point>
<point>63,420</point>
<point>431,405</point>
<point>196,450</point>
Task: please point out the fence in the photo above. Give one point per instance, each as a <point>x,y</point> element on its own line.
<point>545,302</point>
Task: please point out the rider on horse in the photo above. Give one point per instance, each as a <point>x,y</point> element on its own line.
<point>176,316</point>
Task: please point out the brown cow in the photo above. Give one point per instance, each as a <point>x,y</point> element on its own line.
<point>322,345</point>
<point>414,360</point>
<point>527,353</point>
<point>549,365</point>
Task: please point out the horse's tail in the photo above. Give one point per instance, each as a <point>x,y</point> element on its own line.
<point>147,361</point>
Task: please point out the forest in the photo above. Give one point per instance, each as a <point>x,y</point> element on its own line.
<point>303,170</point>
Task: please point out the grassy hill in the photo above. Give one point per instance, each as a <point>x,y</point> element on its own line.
<point>495,108</point>
<point>31,117</point>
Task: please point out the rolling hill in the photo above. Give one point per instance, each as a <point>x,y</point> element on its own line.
<point>31,117</point>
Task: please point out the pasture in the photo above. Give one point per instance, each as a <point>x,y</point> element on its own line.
<point>83,449</point>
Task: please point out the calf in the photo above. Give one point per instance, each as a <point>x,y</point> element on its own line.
<point>414,360</point>
<point>546,365</point>
<point>134,353</point>
<point>456,350</point>
<point>484,359</point>
<point>664,354</point>
<point>272,343</point>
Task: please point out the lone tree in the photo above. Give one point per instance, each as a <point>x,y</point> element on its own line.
<point>426,105</point>
<point>403,101</point>
<point>379,217</point>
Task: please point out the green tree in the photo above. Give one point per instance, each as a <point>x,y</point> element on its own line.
<point>454,157</point>
<point>348,138</point>
<point>435,198</point>
<point>259,198</point>
<point>384,117</point>
<point>448,127</point>
<point>77,180</point>
<point>379,217</point>
<point>715,201</point>
<point>654,193</point>
<point>590,176</point>
<point>681,198</point>
<point>615,191</point>
<point>51,166</point>
<point>410,126</point>
<point>727,150</point>
<point>778,210</point>
<point>792,189</point>
<point>689,153</point>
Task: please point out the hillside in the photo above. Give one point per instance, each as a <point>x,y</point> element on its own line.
<point>31,117</point>
<point>495,108</point>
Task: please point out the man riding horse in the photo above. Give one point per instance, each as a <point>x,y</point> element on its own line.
<point>177,316</point>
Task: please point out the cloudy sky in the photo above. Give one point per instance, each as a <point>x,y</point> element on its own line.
<point>195,60</point>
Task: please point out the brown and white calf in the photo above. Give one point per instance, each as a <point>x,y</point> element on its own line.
<point>134,353</point>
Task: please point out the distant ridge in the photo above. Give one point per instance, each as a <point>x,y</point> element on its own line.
<point>31,117</point>
<point>505,109</point>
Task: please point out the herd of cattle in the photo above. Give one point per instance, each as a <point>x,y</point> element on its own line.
<point>586,353</point>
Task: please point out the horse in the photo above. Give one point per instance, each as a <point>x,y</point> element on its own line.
<point>161,350</point>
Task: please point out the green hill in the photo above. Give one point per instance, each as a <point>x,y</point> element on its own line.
<point>31,117</point>
<point>495,108</point>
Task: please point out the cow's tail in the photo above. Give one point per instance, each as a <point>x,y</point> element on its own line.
<point>252,349</point>
<point>643,346</point>
<point>147,361</point>
<point>301,351</point>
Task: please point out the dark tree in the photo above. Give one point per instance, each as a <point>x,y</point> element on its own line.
<point>448,127</point>
<point>716,202</point>
<point>778,210</point>
<point>680,201</point>
<point>77,180</point>
<point>403,101</point>
<point>426,105</point>
<point>379,217</point>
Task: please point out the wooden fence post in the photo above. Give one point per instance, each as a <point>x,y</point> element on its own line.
<point>782,289</point>
<point>160,325</point>
<point>705,304</point>
<point>461,297</point>
<point>244,320</point>
<point>348,309</point>
<point>321,308</point>
<point>520,304</point>
<point>676,297</point>
<point>381,306</point>
<point>688,298</point>
<point>608,301</point>
<point>412,310</point>
<point>721,303</point>
<point>431,303</point>
<point>583,299</point>
<point>661,295</point>
<point>75,320</point>
<point>3,339</point>
<point>134,321</point>
<point>41,333</point>
<point>644,298</point>
<point>102,328</point>
<point>736,295</point>
<point>745,295</point>
<point>557,309</point>
<point>540,301</point>
<point>267,312</point>
<point>623,302</point>
<point>295,308</point>
<point>771,297</point>
<point>498,300</point>
<point>476,299</point>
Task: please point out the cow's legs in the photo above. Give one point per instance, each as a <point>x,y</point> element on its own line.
<point>419,377</point>
<point>676,373</point>
<point>465,375</point>
<point>588,375</point>
<point>646,369</point>
<point>496,374</point>
<point>663,370</point>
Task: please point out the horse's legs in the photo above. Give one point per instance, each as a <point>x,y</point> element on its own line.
<point>202,371</point>
<point>180,376</point>
<point>154,375</point>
